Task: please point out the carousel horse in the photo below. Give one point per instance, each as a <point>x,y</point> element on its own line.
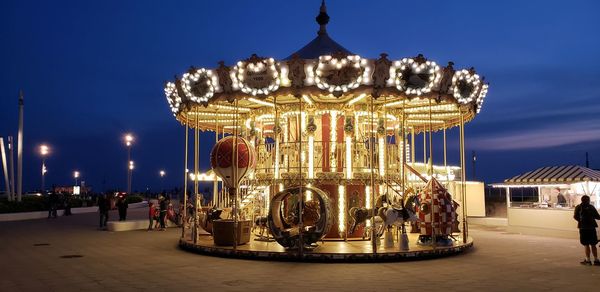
<point>262,223</point>
<point>385,212</point>
<point>360,215</point>
<point>206,218</point>
<point>394,216</point>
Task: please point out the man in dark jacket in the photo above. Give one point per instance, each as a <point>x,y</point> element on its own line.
<point>163,204</point>
<point>122,205</point>
<point>103,208</point>
<point>586,216</point>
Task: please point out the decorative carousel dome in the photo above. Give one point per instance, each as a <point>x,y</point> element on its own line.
<point>324,76</point>
<point>323,44</point>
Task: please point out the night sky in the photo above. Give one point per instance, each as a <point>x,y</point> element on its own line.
<point>92,71</point>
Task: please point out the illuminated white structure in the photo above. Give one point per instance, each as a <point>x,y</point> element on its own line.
<point>333,120</point>
<point>542,201</point>
<point>20,149</point>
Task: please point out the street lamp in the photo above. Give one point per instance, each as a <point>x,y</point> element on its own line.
<point>76,176</point>
<point>128,143</point>
<point>44,151</point>
<point>162,174</point>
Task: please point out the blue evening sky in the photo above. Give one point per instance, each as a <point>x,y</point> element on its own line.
<point>94,70</point>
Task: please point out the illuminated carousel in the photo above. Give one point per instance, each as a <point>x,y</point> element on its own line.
<point>314,155</point>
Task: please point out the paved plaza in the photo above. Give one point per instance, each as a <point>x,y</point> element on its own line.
<point>69,254</point>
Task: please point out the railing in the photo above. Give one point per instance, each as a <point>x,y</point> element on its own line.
<point>325,158</point>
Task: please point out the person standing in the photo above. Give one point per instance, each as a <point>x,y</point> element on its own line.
<point>561,200</point>
<point>103,208</point>
<point>52,205</point>
<point>586,216</point>
<point>67,203</point>
<point>163,204</point>
<point>122,207</point>
<point>151,214</point>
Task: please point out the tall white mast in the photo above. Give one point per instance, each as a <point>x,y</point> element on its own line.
<point>5,169</point>
<point>11,164</point>
<point>20,149</point>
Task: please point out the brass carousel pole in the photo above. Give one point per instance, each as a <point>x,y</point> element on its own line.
<point>403,175</point>
<point>462,176</point>
<point>216,196</point>
<point>430,171</point>
<point>301,198</point>
<point>413,157</point>
<point>403,137</point>
<point>445,162</point>
<point>196,207</point>
<point>371,153</point>
<point>425,165</point>
<point>385,143</point>
<point>185,175</point>
<point>275,155</point>
<point>236,183</point>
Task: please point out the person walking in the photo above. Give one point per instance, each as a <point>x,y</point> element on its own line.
<point>103,208</point>
<point>151,214</point>
<point>586,215</point>
<point>163,212</point>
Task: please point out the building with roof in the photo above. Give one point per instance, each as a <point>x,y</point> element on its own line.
<point>542,201</point>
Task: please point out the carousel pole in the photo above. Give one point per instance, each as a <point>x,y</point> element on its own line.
<point>216,195</point>
<point>196,199</point>
<point>445,159</point>
<point>445,164</point>
<point>412,147</point>
<point>301,198</point>
<point>430,171</point>
<point>403,242</point>
<point>274,186</point>
<point>385,161</point>
<point>385,143</point>
<point>236,181</point>
<point>185,175</point>
<point>430,165</point>
<point>403,162</point>
<point>425,165</point>
<point>372,151</point>
<point>462,176</point>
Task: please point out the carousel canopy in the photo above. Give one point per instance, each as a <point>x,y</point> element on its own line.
<point>323,77</point>
<point>567,174</point>
<point>323,44</point>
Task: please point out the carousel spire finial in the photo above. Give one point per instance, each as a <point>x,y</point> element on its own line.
<point>322,19</point>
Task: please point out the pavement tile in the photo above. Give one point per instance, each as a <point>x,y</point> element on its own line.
<point>151,261</point>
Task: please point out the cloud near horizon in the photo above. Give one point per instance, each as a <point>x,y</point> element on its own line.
<point>546,137</point>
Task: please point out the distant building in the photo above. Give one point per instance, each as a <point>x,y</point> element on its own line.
<point>75,190</point>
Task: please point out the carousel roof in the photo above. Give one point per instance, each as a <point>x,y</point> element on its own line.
<point>324,77</point>
<point>322,44</point>
<point>567,174</point>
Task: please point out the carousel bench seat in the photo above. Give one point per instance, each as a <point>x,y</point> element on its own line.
<point>126,225</point>
<point>131,225</point>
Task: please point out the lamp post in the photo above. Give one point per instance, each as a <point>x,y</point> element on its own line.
<point>130,170</point>
<point>128,143</point>
<point>44,151</point>
<point>76,176</point>
<point>162,174</point>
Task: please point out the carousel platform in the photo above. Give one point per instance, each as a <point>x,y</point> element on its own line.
<point>326,251</point>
